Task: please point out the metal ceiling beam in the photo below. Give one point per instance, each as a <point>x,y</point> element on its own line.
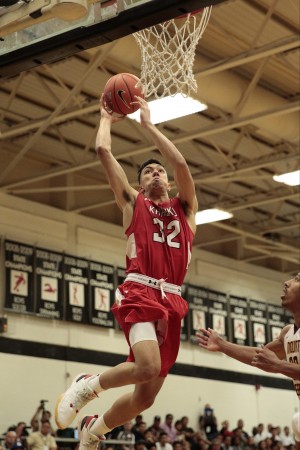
<point>262,52</point>
<point>208,131</point>
<point>94,63</point>
<point>262,199</point>
<point>288,226</point>
<point>260,239</point>
<point>277,47</point>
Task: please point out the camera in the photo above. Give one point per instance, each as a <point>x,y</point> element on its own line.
<point>42,403</point>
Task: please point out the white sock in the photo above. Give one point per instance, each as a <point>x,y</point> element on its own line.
<point>99,427</point>
<point>94,383</point>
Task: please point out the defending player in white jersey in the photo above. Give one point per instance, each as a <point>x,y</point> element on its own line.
<point>279,356</point>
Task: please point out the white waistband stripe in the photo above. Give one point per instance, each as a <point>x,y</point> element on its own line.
<point>161,284</point>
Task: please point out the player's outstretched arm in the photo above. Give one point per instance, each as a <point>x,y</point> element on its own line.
<point>182,175</point>
<point>211,341</point>
<point>115,174</point>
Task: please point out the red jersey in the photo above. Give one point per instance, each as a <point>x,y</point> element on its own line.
<point>159,240</point>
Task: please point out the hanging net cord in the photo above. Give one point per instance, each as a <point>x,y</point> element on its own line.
<point>168,54</point>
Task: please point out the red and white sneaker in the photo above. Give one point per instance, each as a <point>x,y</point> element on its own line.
<point>88,440</point>
<point>75,398</point>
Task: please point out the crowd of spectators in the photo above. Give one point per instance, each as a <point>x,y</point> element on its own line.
<point>162,434</point>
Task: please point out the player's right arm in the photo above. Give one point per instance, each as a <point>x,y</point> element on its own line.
<point>211,341</point>
<point>125,195</point>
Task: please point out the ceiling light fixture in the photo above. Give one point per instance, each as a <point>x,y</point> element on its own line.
<point>168,108</point>
<point>289,178</point>
<point>212,215</point>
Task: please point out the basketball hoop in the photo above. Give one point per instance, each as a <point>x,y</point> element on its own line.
<point>168,53</point>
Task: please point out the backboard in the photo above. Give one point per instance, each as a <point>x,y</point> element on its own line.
<point>45,31</point>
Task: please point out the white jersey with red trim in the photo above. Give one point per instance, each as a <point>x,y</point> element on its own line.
<point>292,350</point>
<point>159,240</point>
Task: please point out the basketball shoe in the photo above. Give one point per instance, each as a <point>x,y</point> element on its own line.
<point>88,440</point>
<point>75,398</point>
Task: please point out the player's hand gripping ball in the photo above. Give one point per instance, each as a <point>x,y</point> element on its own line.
<point>119,93</point>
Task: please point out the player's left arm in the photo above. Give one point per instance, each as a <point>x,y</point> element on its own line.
<point>182,175</point>
<point>272,358</point>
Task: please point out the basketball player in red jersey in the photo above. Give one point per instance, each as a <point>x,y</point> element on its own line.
<point>279,356</point>
<point>148,305</point>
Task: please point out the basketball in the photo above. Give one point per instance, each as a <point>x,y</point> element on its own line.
<point>120,91</point>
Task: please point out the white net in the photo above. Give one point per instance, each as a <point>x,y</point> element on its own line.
<point>168,53</point>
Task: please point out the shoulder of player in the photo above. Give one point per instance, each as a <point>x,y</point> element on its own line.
<point>285,330</point>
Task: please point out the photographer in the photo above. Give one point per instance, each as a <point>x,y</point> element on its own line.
<point>210,423</point>
<point>41,415</point>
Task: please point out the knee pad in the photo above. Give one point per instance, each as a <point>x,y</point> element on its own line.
<point>144,331</point>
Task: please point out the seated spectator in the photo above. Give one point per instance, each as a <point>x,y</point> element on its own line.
<point>239,430</point>
<point>155,428</point>
<point>149,439</point>
<point>163,442</point>
<point>274,435</point>
<point>138,420</point>
<point>21,431</point>
<point>139,431</point>
<point>66,433</point>
<point>186,430</point>
<point>287,438</point>
<point>177,445</point>
<point>140,445</point>
<point>169,428</point>
<point>250,444</point>
<point>237,443</point>
<point>180,434</point>
<point>215,445</point>
<point>40,440</point>
<point>226,444</point>
<point>10,440</point>
<point>225,429</point>
<point>186,445</point>
<point>198,443</point>
<point>261,434</point>
<point>127,435</point>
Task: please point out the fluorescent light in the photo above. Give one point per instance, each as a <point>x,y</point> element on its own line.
<point>168,108</point>
<point>211,215</point>
<point>290,178</point>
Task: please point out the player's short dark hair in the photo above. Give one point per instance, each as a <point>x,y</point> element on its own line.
<point>146,163</point>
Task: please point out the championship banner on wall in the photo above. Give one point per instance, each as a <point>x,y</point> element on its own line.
<point>276,321</point>
<point>258,323</point>
<point>76,281</point>
<point>49,284</point>
<point>120,276</point>
<point>218,313</point>
<point>238,317</point>
<point>184,322</point>
<point>102,294</point>
<point>198,310</point>
<point>19,294</point>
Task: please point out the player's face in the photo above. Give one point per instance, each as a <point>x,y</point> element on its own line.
<point>291,294</point>
<point>154,178</point>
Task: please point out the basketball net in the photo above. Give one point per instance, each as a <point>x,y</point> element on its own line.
<point>168,53</point>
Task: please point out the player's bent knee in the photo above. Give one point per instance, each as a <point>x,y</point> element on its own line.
<point>143,402</point>
<point>147,372</point>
